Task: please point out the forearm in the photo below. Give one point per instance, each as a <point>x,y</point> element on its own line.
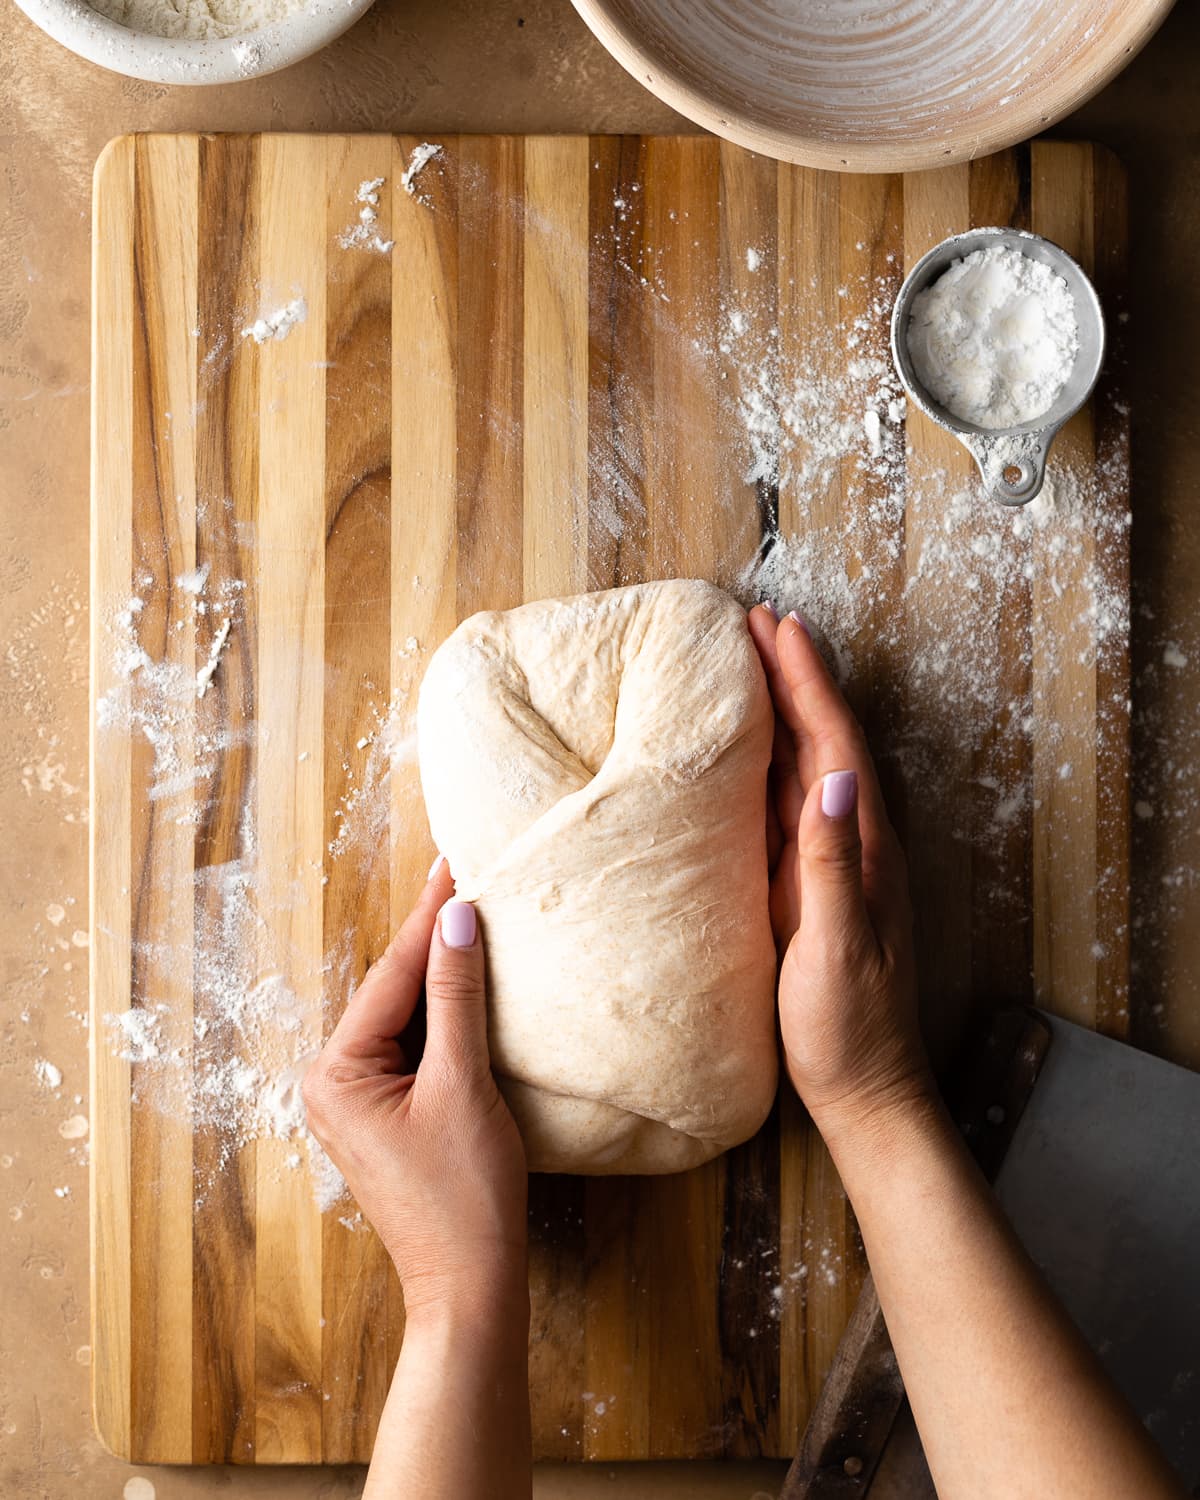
<point>456,1420</point>
<point>1009,1401</point>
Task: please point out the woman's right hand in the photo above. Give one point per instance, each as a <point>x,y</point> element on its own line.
<point>425,1141</point>
<point>839,897</point>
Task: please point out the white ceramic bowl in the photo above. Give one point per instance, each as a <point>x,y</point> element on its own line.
<point>874,85</point>
<point>165,60</point>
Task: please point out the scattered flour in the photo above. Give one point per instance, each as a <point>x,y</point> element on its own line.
<point>1173,657</point>
<point>235,1062</point>
<point>807,428</point>
<point>47,1074</point>
<point>205,675</point>
<point>232,1057</point>
<point>278,323</point>
<point>364,235</point>
<point>154,697</point>
<point>421,157</point>
<point>994,339</point>
<point>197,20</point>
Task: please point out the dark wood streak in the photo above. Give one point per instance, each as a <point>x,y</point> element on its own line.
<point>357,642</point>
<point>750,1365</point>
<point>223,1331</point>
<point>360,488</point>
<point>619,365</point>
<point>490,390</point>
<point>1121,1011</point>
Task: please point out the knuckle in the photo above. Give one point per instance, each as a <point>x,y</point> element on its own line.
<point>843,858</point>
<point>845,735</point>
<point>337,1072</point>
<point>457,985</point>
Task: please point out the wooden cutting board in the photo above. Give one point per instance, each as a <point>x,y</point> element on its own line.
<point>529,394</point>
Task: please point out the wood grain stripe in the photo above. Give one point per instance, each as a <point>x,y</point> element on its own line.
<point>357,684</point>
<point>619,366</point>
<point>164,523</point>
<point>1111,428</point>
<point>110,854</point>
<point>489,367</point>
<point>227,484</point>
<point>289,592</point>
<point>555,352</point>
<point>1065,769</point>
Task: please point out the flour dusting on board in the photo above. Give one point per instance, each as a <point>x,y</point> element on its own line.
<point>226,1019</point>
<point>233,1057</point>
<point>364,234</point>
<point>278,322</point>
<point>421,156</point>
<point>890,559</point>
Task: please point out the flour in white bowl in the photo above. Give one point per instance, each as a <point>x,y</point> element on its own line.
<point>196,20</point>
<point>994,338</point>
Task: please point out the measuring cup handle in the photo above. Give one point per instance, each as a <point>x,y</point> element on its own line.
<point>1012,467</point>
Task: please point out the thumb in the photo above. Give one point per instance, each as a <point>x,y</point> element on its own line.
<point>455,998</point>
<point>829,869</point>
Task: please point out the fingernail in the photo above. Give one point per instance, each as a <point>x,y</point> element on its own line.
<point>458,924</point>
<point>801,621</point>
<point>839,793</point>
<point>772,609</point>
<point>435,867</point>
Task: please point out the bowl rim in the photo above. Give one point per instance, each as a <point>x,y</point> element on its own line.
<point>1134,23</point>
<point>189,62</point>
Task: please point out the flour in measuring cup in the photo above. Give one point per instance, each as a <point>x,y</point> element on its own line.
<point>994,338</point>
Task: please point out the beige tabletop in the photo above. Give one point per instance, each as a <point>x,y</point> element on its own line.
<point>484,65</point>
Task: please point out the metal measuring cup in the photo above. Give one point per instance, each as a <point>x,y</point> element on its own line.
<point>1012,460</point>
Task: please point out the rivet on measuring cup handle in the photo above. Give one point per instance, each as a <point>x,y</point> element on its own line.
<point>1012,461</point>
<point>1012,466</point>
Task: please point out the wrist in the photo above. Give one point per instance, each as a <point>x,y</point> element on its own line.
<point>877,1120</point>
<point>492,1293</point>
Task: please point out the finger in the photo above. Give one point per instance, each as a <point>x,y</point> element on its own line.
<point>384,1002</point>
<point>763,622</point>
<point>833,906</point>
<point>455,996</point>
<point>826,735</point>
<point>787,793</point>
<point>787,790</point>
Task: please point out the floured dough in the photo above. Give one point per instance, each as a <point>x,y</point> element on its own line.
<point>594,770</point>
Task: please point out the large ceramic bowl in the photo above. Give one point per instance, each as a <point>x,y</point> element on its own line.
<point>874,85</point>
<point>163,60</point>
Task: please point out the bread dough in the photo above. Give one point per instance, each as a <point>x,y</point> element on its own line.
<point>594,771</point>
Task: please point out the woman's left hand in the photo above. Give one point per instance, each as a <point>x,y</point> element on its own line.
<point>427,1146</point>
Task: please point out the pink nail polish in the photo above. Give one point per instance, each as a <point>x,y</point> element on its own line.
<point>801,621</point>
<point>772,609</point>
<point>839,793</point>
<point>435,867</point>
<point>458,924</point>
